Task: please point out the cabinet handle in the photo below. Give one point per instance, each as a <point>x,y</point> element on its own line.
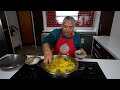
<point>108,57</point>
<point>87,35</point>
<point>93,56</point>
<point>96,55</point>
<point>5,29</point>
<point>97,46</point>
<point>100,27</point>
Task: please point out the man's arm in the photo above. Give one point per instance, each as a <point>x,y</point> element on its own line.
<point>46,47</point>
<point>47,44</point>
<point>50,39</point>
<point>77,41</point>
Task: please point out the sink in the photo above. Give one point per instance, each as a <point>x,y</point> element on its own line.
<point>12,61</point>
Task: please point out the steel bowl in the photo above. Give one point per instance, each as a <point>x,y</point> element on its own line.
<point>62,75</point>
<point>12,61</point>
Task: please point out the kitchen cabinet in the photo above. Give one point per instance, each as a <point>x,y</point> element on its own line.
<point>99,52</point>
<point>86,41</point>
<point>105,24</point>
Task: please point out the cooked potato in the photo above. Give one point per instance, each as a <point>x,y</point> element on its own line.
<point>61,65</point>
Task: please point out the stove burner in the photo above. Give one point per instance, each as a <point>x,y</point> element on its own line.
<point>81,66</point>
<point>86,70</point>
<point>59,76</point>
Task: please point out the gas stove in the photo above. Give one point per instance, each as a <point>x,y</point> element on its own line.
<point>86,70</point>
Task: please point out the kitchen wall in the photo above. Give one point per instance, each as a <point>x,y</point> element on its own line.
<point>12,20</point>
<point>49,26</point>
<point>115,30</point>
<point>86,15</point>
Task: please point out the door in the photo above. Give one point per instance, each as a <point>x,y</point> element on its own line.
<point>26,27</point>
<point>105,25</point>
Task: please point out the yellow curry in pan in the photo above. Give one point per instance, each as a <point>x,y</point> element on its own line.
<point>61,65</point>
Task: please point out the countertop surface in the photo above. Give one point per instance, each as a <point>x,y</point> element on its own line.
<point>111,68</point>
<point>111,44</point>
<point>79,31</point>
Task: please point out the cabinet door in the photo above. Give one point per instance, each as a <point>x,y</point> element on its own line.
<point>86,41</point>
<point>26,27</point>
<point>100,52</point>
<point>95,54</point>
<point>106,20</point>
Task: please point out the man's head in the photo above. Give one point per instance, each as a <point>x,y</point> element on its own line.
<point>68,26</point>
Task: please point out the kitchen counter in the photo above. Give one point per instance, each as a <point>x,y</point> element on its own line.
<point>109,67</point>
<point>111,44</point>
<point>79,31</point>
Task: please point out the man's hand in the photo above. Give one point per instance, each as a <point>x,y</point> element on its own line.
<point>47,54</point>
<point>47,57</point>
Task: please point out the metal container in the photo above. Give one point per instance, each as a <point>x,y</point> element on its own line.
<point>12,61</point>
<point>61,75</point>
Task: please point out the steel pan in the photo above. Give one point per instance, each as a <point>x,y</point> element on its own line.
<point>62,75</point>
<point>12,61</point>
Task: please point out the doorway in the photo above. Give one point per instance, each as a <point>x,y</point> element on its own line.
<point>26,27</point>
<point>30,29</point>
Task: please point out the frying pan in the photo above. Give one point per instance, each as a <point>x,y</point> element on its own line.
<point>12,61</point>
<point>61,75</point>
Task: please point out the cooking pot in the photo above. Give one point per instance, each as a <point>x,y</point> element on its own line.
<point>59,74</point>
<point>12,61</point>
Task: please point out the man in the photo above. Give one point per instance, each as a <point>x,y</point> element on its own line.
<point>61,41</point>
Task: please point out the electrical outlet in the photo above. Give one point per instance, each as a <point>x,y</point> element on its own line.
<point>82,40</point>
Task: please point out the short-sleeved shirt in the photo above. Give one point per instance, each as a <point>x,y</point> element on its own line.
<point>53,37</point>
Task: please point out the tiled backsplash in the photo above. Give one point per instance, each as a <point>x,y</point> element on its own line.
<point>85,19</point>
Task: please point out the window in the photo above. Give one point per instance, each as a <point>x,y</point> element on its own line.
<point>85,20</point>
<point>60,15</point>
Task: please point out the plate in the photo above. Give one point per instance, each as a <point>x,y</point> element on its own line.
<point>32,60</point>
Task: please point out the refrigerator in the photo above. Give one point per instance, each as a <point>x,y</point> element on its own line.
<point>5,41</point>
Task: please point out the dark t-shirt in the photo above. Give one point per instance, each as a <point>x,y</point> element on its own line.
<point>53,37</point>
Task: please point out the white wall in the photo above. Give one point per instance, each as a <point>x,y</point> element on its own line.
<point>115,30</point>
<point>96,21</point>
<point>11,17</point>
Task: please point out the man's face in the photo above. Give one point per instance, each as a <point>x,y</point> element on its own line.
<point>67,28</point>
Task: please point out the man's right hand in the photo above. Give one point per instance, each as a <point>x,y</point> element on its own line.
<point>47,56</point>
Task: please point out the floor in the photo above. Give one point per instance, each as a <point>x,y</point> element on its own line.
<point>29,50</point>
